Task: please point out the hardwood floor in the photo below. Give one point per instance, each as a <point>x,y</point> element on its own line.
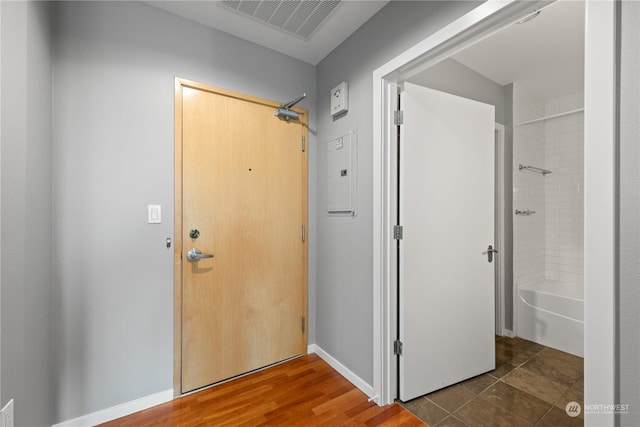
<point>302,392</point>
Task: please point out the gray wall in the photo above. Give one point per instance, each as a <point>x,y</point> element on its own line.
<point>26,202</point>
<point>344,294</point>
<point>112,151</point>
<point>629,214</point>
<point>114,69</point>
<point>452,77</point>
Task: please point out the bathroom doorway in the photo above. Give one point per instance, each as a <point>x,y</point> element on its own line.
<point>485,20</point>
<point>533,73</point>
<point>536,92</point>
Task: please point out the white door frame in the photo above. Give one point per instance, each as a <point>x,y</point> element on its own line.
<point>600,68</point>
<point>499,227</point>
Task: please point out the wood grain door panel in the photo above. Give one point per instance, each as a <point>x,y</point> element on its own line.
<point>244,188</point>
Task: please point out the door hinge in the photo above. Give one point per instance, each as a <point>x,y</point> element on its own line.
<point>398,232</point>
<point>303,325</point>
<point>397,348</point>
<point>398,117</point>
<point>303,144</point>
<point>303,234</point>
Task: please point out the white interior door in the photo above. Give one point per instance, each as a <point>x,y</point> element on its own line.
<point>447,213</point>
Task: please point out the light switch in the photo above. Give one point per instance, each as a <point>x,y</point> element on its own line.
<point>155,214</point>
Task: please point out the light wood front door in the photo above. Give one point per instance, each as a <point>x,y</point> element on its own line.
<point>241,196</point>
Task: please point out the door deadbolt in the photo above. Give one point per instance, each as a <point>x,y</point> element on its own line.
<point>194,234</point>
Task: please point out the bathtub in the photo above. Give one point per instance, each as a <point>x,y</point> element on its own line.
<point>551,313</point>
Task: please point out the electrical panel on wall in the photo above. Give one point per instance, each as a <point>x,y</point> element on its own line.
<point>341,175</point>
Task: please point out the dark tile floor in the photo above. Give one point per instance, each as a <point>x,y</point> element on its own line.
<point>530,386</point>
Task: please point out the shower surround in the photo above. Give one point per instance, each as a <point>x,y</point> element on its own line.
<point>548,244</point>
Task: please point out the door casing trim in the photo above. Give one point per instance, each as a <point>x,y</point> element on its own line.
<point>500,232</point>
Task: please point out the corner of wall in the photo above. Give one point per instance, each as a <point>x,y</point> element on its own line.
<point>26,111</point>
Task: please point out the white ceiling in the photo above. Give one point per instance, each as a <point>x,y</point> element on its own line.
<point>544,55</point>
<point>339,25</point>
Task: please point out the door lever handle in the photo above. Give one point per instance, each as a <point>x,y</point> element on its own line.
<point>196,254</point>
<point>490,251</point>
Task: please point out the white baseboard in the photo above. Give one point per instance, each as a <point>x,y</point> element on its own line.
<point>508,333</point>
<point>343,370</point>
<point>146,402</point>
<point>118,411</point>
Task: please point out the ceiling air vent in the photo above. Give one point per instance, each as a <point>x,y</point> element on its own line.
<point>299,18</point>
